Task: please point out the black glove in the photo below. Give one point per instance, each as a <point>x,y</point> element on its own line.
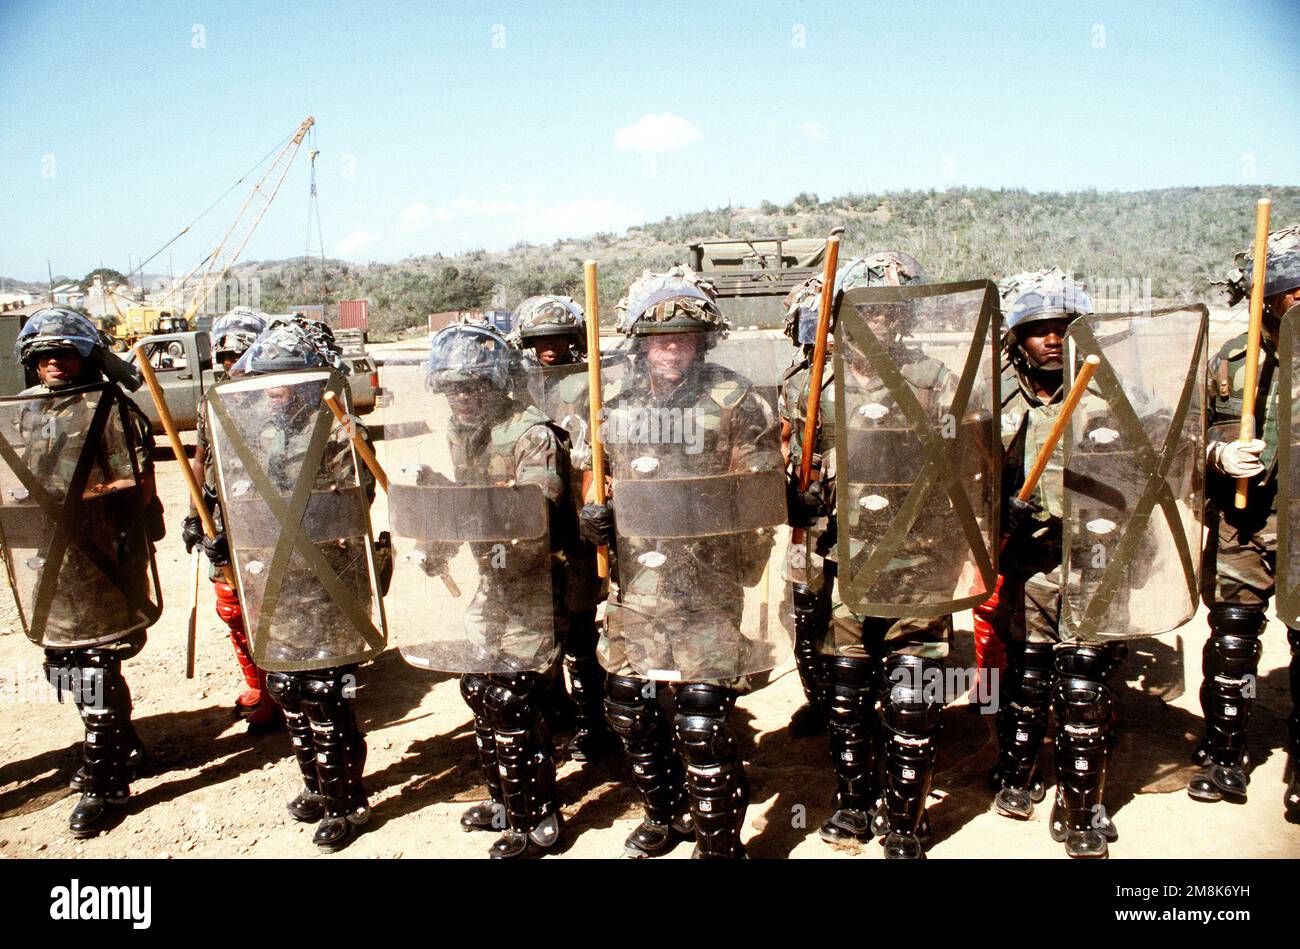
<point>218,550</point>
<point>192,532</point>
<point>596,524</point>
<point>1021,521</point>
<point>804,507</point>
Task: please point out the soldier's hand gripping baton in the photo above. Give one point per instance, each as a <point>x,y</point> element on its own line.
<point>1058,427</point>
<point>381,476</point>
<point>173,436</point>
<point>595,400</point>
<point>1259,271</point>
<point>811,420</point>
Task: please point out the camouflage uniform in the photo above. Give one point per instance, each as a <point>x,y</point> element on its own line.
<point>93,621</point>
<point>690,617</point>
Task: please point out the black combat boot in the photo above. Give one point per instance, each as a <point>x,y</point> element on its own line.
<point>339,746</point>
<point>102,698</point>
<point>1292,799</point>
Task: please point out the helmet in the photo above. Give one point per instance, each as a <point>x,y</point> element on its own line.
<point>278,349</point>
<point>1281,267</point>
<point>1052,297</point>
<point>236,331</point>
<point>56,327</point>
<point>884,268</point>
<point>678,301</point>
<point>547,316</point>
<point>468,352</point>
<point>316,334</point>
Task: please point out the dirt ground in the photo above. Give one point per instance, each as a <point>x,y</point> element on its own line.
<point>212,790</point>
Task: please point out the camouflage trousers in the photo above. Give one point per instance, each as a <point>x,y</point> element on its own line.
<point>1238,565</point>
<point>642,641</point>
<point>1029,606</point>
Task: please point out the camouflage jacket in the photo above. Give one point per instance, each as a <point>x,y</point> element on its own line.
<point>1225,390</point>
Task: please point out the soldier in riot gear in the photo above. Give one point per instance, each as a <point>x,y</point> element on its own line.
<point>1042,673</point>
<point>1240,558</point>
<point>882,719</point>
<point>551,332</point>
<point>810,571</point>
<point>683,566</point>
<point>498,483</point>
<point>78,520</point>
<point>232,334</point>
<point>309,588</point>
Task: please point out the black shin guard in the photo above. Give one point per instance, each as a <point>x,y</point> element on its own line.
<point>811,616</point>
<point>1229,663</point>
<point>1022,718</point>
<point>635,716</point>
<point>93,677</point>
<point>490,814</point>
<point>911,709</point>
<point>340,753</point>
<point>1085,715</point>
<point>848,688</point>
<point>527,765</point>
<point>308,806</point>
<point>715,775</point>
<point>587,686</point>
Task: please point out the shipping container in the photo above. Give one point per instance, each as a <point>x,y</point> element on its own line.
<point>354,314</point>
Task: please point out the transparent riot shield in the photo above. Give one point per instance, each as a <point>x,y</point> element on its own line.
<point>1288,488</point>
<point>72,518</point>
<point>917,397</point>
<point>297,519</point>
<point>472,582</point>
<point>698,489</point>
<point>1134,456</point>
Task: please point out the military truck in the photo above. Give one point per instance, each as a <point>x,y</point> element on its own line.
<point>753,276</point>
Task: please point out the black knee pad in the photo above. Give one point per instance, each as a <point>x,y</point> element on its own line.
<point>1082,661</point>
<point>1238,620</point>
<point>701,723</point>
<point>473,689</point>
<point>1033,675</point>
<point>913,698</point>
<point>1084,703</point>
<point>847,686</point>
<point>631,708</point>
<point>1230,656</point>
<point>283,687</point>
<point>510,700</point>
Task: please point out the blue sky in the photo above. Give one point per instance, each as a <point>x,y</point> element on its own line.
<point>448,126</point>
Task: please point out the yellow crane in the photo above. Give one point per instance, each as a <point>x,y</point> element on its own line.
<point>227,251</point>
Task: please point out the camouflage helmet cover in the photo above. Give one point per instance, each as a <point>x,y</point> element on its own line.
<point>278,349</point>
<point>1052,296</point>
<point>56,327</point>
<point>1282,267</point>
<point>547,315</point>
<point>468,352</point>
<point>886,268</point>
<point>237,330</point>
<point>677,301</point>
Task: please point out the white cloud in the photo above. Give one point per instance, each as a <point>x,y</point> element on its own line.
<point>579,218</point>
<point>814,131</point>
<point>356,243</point>
<point>657,133</point>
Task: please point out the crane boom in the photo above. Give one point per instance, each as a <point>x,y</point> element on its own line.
<point>250,215</point>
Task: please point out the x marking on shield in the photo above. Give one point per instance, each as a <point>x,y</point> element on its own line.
<point>1156,490</point>
<point>288,515</point>
<point>865,569</point>
<point>1288,593</point>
